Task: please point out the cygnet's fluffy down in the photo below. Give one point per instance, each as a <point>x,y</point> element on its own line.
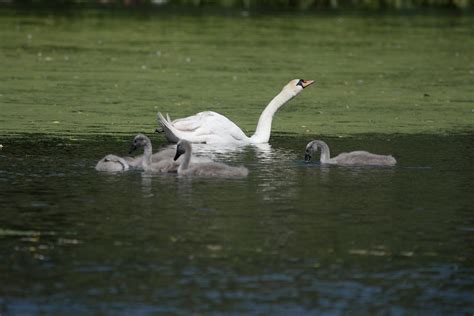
<point>354,158</point>
<point>112,163</point>
<point>162,155</point>
<point>161,161</point>
<point>209,169</point>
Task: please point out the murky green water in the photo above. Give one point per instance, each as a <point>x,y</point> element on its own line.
<point>290,239</point>
<point>88,73</point>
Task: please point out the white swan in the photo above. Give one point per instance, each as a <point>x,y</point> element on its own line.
<point>112,163</point>
<point>209,169</point>
<point>211,127</point>
<point>353,158</point>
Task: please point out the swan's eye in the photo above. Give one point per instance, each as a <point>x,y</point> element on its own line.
<point>300,83</point>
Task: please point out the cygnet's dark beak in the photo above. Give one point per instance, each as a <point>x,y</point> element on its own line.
<point>307,157</point>
<point>179,152</point>
<point>159,130</point>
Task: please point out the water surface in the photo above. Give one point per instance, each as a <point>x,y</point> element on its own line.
<point>92,73</point>
<point>292,238</point>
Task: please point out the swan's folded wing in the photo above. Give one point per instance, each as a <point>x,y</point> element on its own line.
<point>204,127</point>
<point>192,123</point>
<point>211,125</point>
<point>221,126</point>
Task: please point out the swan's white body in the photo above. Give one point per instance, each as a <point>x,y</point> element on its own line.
<point>354,158</point>
<point>112,163</point>
<point>211,127</point>
<point>207,169</point>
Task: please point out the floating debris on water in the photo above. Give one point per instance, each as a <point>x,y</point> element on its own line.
<point>14,232</point>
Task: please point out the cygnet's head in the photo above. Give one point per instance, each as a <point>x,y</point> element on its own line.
<point>295,86</point>
<point>182,147</point>
<point>139,141</point>
<point>311,148</point>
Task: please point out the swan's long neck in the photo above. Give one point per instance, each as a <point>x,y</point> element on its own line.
<point>147,150</point>
<point>187,158</point>
<point>264,126</point>
<point>325,153</point>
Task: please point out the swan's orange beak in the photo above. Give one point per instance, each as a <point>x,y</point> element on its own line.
<point>307,83</point>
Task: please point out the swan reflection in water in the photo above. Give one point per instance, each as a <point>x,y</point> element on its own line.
<point>231,151</point>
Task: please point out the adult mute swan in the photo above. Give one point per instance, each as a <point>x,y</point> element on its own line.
<point>211,127</point>
<point>112,163</point>
<point>207,169</point>
<point>359,158</point>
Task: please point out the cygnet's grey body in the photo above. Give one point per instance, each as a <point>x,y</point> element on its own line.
<point>206,169</point>
<point>354,158</point>
<point>112,163</point>
<point>137,162</point>
<point>163,162</point>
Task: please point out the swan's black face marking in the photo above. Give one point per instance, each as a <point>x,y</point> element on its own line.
<point>179,151</point>
<point>307,156</point>
<point>300,83</point>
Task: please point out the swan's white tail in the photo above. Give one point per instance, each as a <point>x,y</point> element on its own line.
<point>170,132</point>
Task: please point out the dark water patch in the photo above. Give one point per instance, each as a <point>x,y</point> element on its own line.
<point>290,238</point>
